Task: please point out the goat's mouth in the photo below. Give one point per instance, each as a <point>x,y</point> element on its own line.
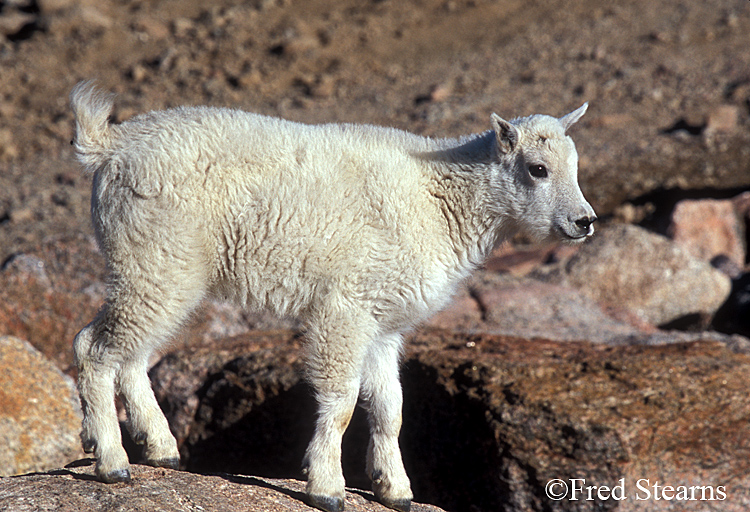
<point>580,238</point>
<point>577,236</point>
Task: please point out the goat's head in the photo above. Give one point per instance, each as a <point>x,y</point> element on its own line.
<point>537,179</point>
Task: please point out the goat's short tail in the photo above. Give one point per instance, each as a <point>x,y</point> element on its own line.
<point>93,136</point>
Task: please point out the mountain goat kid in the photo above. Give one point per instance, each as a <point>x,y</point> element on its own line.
<point>359,231</point>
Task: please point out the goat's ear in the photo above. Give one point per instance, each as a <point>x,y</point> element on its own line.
<point>569,120</point>
<point>507,134</point>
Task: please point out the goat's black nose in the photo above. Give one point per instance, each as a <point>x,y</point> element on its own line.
<point>585,222</point>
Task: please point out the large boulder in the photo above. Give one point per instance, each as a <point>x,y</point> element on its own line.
<point>648,274</point>
<point>510,416</point>
<point>529,308</point>
<point>48,294</point>
<point>489,420</point>
<point>182,379</point>
<point>40,416</point>
<point>75,488</point>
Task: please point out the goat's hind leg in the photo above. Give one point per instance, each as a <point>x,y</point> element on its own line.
<point>112,355</point>
<point>160,314</point>
<point>146,422</point>
<point>100,432</point>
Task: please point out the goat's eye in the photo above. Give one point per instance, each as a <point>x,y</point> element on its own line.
<point>538,171</point>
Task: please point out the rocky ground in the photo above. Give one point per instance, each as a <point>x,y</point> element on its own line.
<point>626,359</point>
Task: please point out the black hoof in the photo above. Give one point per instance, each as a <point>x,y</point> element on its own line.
<point>89,445</point>
<point>170,463</point>
<point>400,505</point>
<point>116,476</point>
<point>327,503</point>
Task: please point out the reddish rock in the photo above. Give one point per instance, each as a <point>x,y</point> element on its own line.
<point>48,295</point>
<point>518,262</point>
<point>463,313</point>
<point>530,308</point>
<point>708,228</point>
<point>489,420</point>
<point>538,411</point>
<point>40,415</point>
<point>179,376</point>
<point>742,205</point>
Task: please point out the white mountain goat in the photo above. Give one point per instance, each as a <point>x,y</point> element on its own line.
<point>359,231</point>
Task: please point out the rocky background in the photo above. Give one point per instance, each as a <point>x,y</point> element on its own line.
<point>624,360</point>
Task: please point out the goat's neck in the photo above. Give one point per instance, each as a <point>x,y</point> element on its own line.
<point>461,186</point>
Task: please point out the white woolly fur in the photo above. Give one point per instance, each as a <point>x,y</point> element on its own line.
<point>360,231</point>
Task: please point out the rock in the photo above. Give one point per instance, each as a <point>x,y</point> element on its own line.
<point>463,313</point>
<point>165,490</point>
<point>298,41</point>
<point>238,402</point>
<point>94,17</point>
<point>441,92</point>
<point>8,146</point>
<point>13,23</point>
<point>179,376</point>
<point>21,215</point>
<point>708,228</point>
<point>489,420</point>
<point>531,412</point>
<point>183,27</point>
<point>532,309</point>
<point>522,261</point>
<point>742,205</point>
<point>529,308</point>
<point>52,6</point>
<point>646,273</point>
<point>47,295</point>
<point>40,415</point>
<point>508,305</point>
<point>153,29</point>
<point>722,119</point>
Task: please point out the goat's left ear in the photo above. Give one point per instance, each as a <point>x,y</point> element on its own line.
<point>569,120</point>
<point>507,135</point>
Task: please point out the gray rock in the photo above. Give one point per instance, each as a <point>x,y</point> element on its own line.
<point>75,488</point>
<point>504,304</point>
<point>629,267</point>
<point>530,308</point>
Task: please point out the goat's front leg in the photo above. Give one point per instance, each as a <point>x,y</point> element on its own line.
<point>325,478</point>
<point>383,399</point>
<point>334,364</point>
